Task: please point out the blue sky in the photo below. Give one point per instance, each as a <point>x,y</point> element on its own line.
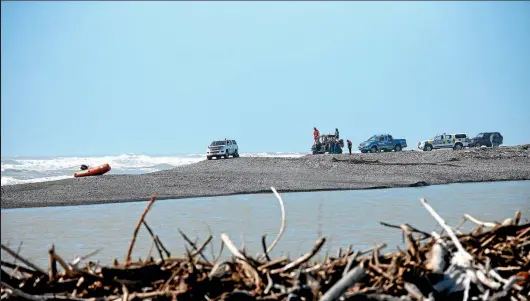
<point>105,78</point>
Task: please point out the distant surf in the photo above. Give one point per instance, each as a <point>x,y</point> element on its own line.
<point>21,170</point>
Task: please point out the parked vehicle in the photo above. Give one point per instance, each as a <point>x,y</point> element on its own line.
<point>222,148</point>
<point>323,144</point>
<point>488,139</point>
<point>455,141</point>
<point>383,142</point>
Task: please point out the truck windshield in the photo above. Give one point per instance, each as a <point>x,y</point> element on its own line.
<point>373,138</point>
<point>216,143</point>
<point>480,135</point>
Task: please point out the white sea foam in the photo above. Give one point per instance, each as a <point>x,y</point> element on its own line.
<point>12,181</point>
<point>28,170</point>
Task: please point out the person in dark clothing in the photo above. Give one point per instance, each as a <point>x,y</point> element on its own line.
<point>336,133</point>
<point>349,145</point>
<point>84,167</point>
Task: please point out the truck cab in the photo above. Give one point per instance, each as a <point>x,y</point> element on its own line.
<point>222,149</point>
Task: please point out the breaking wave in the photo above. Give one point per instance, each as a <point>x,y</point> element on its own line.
<point>30,170</point>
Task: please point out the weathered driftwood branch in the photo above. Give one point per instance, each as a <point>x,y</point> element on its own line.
<point>135,233</point>
<point>77,260</point>
<point>20,293</point>
<point>282,226</point>
<point>411,228</point>
<point>272,263</point>
<point>370,250</point>
<point>24,261</point>
<point>462,257</point>
<point>435,259</point>
<point>201,247</point>
<point>53,263</point>
<point>352,277</point>
<point>221,248</point>
<point>242,259</point>
<point>304,258</point>
<point>232,247</point>
<point>192,244</point>
<point>413,246</point>
<point>414,291</point>
<point>18,251</point>
<point>155,240</point>
<point>480,223</point>
<point>66,267</point>
<point>19,268</point>
<point>264,246</point>
<point>148,256</point>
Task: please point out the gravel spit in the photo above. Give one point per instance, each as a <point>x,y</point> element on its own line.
<point>257,174</point>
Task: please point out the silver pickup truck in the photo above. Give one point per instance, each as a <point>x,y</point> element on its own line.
<point>222,149</point>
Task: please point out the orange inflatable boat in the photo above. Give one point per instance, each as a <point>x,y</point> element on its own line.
<point>95,171</point>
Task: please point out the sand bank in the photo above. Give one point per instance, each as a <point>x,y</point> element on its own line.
<point>256,175</point>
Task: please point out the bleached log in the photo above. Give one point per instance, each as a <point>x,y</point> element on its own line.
<point>282,226</point>
<point>436,261</point>
<point>461,257</point>
<point>478,222</point>
<point>352,277</point>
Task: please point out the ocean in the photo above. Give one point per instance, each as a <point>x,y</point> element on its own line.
<point>20,170</point>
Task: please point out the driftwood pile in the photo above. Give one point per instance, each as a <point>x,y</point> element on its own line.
<point>490,263</point>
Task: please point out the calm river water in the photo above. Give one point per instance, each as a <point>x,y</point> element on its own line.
<point>344,217</point>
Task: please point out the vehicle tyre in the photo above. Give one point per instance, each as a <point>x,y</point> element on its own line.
<point>373,149</point>
<point>209,157</point>
<point>227,155</point>
<point>458,146</point>
<point>364,152</point>
<point>427,148</point>
<point>236,154</point>
<point>397,148</point>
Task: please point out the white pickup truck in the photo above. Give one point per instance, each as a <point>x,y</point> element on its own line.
<point>222,148</point>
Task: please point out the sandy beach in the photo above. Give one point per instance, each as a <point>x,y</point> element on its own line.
<point>256,175</point>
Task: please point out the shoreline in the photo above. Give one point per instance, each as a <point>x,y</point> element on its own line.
<point>255,175</point>
<point>266,191</point>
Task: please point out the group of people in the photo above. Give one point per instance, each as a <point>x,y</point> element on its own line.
<point>335,144</point>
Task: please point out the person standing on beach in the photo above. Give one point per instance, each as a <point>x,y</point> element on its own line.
<point>349,145</point>
<point>337,133</point>
<point>316,133</point>
<point>337,148</point>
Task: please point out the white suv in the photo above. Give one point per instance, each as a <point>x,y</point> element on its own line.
<point>222,148</point>
<point>454,141</point>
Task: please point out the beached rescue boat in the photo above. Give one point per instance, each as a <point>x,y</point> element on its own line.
<point>95,171</point>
